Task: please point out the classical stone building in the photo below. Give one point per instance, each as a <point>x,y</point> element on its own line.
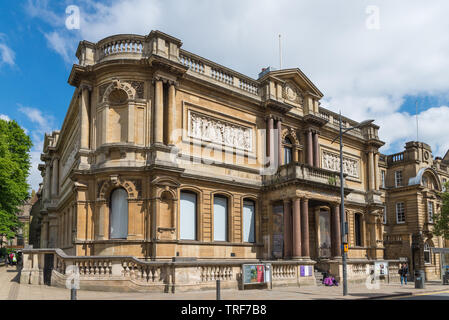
<point>164,155</point>
<point>411,182</point>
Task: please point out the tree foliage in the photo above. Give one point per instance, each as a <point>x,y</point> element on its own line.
<point>14,169</point>
<point>441,220</point>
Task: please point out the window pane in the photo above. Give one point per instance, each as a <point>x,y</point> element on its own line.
<point>220,218</point>
<point>187,223</point>
<point>119,214</point>
<point>287,155</point>
<point>248,221</point>
<point>358,230</point>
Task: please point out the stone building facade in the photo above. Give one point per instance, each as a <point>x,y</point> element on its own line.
<point>411,182</point>
<point>165,155</point>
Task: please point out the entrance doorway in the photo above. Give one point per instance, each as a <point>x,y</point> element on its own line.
<point>324,249</point>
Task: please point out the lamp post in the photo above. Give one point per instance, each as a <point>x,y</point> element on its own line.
<point>342,194</point>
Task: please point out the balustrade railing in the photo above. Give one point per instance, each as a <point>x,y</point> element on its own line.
<point>126,44</point>
<point>218,73</point>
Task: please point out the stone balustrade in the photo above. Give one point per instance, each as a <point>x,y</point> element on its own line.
<point>130,46</point>
<point>219,73</point>
<point>124,273</point>
<point>304,172</point>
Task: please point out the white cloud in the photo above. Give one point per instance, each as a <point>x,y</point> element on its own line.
<point>7,55</point>
<point>365,73</point>
<point>4,117</point>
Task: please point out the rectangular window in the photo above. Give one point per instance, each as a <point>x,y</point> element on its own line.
<point>430,210</point>
<point>382,176</point>
<point>444,184</point>
<point>220,218</point>
<point>187,230</point>
<point>400,212</point>
<point>398,178</point>
<point>249,221</point>
<point>385,214</point>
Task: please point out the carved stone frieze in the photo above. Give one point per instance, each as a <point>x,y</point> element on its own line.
<point>217,131</point>
<point>331,161</point>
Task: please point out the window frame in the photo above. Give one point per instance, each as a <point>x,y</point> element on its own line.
<point>396,178</point>
<point>227,215</point>
<point>430,211</point>
<point>403,212</point>
<point>383,175</point>
<point>429,252</point>
<point>111,214</point>
<point>254,219</point>
<point>195,224</point>
<point>358,234</point>
<point>385,214</point>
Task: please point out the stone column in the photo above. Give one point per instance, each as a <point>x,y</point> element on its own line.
<point>309,148</point>
<point>47,184</point>
<point>279,128</point>
<point>158,112</point>
<point>44,234</point>
<point>55,177</point>
<point>376,170</point>
<point>171,113</point>
<point>316,153</point>
<point>305,227</point>
<point>84,117</point>
<point>371,170</point>
<point>270,134</point>
<point>296,228</point>
<point>287,229</point>
<point>335,229</point>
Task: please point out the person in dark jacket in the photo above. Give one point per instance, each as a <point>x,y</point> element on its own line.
<point>403,271</point>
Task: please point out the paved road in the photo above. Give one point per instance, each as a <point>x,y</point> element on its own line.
<point>441,295</point>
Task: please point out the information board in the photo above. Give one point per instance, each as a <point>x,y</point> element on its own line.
<point>253,273</point>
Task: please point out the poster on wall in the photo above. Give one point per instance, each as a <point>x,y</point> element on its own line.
<point>305,271</point>
<point>253,273</point>
<point>381,268</point>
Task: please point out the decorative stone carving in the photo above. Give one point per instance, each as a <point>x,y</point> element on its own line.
<point>331,161</point>
<point>291,93</point>
<point>138,86</point>
<point>207,128</point>
<point>120,85</point>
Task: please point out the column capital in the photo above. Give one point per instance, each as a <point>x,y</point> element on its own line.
<point>287,200</point>
<point>84,86</point>
<point>269,117</point>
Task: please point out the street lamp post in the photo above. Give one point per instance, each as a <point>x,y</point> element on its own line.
<point>342,194</point>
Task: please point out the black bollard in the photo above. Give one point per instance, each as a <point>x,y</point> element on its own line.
<point>218,290</point>
<point>73,294</point>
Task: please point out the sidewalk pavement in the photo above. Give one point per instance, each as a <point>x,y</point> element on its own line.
<point>10,289</point>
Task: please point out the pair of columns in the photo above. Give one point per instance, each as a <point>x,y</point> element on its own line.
<point>159,111</point>
<point>373,159</point>
<point>296,228</point>
<point>313,156</point>
<point>271,150</point>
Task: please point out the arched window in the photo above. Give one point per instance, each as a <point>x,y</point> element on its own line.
<point>427,257</point>
<point>358,229</point>
<point>288,151</point>
<point>249,221</point>
<point>220,218</point>
<point>188,213</point>
<point>119,214</point>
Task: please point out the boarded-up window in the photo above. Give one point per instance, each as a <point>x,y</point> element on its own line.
<point>187,223</point>
<point>119,214</point>
<point>220,218</point>
<point>249,221</point>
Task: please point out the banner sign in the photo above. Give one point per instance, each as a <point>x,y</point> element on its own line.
<point>305,271</point>
<point>253,273</point>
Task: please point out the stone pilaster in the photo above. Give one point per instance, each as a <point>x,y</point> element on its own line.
<point>158,112</point>
<point>296,228</point>
<point>305,227</point>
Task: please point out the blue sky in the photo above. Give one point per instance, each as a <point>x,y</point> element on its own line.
<point>371,59</point>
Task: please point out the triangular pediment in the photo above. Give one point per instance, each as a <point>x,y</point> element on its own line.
<point>298,80</point>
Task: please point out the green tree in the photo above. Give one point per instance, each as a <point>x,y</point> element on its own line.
<point>15,164</point>
<point>441,220</point>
